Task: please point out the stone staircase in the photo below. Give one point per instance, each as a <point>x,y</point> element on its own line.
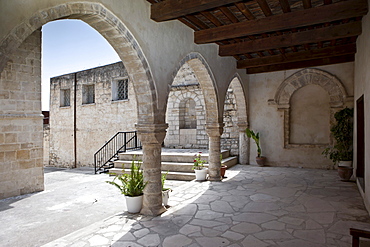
<point>178,162</point>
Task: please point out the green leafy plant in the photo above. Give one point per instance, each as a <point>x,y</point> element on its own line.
<point>131,184</point>
<point>198,162</point>
<point>163,178</point>
<point>342,132</point>
<point>256,137</point>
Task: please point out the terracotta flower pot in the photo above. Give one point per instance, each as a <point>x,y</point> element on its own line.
<point>261,160</point>
<point>223,170</point>
<point>345,172</point>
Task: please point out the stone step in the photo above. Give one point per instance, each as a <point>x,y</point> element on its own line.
<point>186,157</point>
<point>176,166</point>
<point>182,176</point>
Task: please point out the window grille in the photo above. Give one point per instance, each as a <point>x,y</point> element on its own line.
<point>88,94</point>
<point>122,89</point>
<point>65,97</point>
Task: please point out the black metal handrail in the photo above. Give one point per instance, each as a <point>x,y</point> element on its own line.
<point>120,142</point>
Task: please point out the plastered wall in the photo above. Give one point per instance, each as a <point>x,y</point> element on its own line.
<point>362,88</point>
<point>267,119</point>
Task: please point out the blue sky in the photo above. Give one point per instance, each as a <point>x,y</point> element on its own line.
<point>70,46</point>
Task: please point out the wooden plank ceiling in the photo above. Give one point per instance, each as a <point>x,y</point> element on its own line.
<point>271,35</point>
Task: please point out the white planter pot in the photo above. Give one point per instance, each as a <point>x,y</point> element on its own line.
<point>201,175</point>
<point>134,203</point>
<point>165,197</point>
<point>345,163</point>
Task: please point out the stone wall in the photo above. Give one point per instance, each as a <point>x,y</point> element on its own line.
<point>95,123</point>
<point>183,134</point>
<point>21,154</point>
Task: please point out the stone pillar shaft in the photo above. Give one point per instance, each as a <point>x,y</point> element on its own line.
<point>151,137</point>
<point>243,144</point>
<point>214,132</point>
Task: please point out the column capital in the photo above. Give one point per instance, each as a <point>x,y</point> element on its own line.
<point>242,126</point>
<point>214,129</point>
<point>151,133</point>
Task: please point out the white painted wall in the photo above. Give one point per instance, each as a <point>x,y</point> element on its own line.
<point>362,87</point>
<point>267,120</point>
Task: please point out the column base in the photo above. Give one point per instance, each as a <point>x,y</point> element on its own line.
<point>215,179</point>
<point>153,211</point>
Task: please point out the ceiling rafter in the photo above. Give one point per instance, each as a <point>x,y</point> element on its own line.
<point>291,39</point>
<point>312,16</point>
<point>271,35</point>
<point>298,56</point>
<point>173,9</point>
<point>303,64</point>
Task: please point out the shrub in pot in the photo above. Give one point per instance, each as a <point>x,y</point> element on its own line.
<point>165,191</point>
<point>132,186</point>
<point>342,150</point>
<point>198,167</point>
<point>261,160</point>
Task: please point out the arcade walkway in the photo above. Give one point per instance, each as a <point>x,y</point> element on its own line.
<point>254,206</point>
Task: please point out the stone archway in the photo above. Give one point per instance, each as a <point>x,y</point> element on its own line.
<point>332,85</point>
<point>112,29</point>
<point>214,123</point>
<point>235,129</point>
<point>20,67</point>
<point>206,80</point>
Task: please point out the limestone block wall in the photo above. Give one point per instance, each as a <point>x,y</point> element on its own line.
<point>46,143</point>
<point>230,136</point>
<point>295,127</point>
<point>21,153</point>
<point>95,123</point>
<point>183,134</point>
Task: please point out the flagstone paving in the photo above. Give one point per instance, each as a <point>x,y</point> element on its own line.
<point>254,206</point>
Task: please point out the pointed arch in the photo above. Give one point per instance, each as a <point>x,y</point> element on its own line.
<point>113,30</point>
<point>241,100</point>
<point>207,83</point>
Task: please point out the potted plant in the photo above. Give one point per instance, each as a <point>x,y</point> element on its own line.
<point>132,186</point>
<point>165,191</point>
<point>198,167</point>
<point>223,167</point>
<point>342,151</point>
<point>256,137</point>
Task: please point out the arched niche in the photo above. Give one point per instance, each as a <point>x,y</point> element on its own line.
<point>283,99</point>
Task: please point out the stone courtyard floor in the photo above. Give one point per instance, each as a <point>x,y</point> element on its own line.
<point>253,206</point>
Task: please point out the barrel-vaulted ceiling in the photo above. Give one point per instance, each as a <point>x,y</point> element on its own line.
<point>271,35</point>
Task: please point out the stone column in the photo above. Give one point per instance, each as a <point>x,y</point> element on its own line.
<point>151,137</point>
<point>243,144</point>
<point>214,132</point>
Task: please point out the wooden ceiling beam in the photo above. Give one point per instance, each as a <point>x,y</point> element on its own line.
<point>307,4</point>
<point>298,56</point>
<point>301,18</point>
<point>292,39</point>
<point>265,7</point>
<point>173,9</point>
<point>285,6</point>
<point>302,64</point>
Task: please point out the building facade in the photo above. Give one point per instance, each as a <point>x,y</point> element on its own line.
<point>87,108</point>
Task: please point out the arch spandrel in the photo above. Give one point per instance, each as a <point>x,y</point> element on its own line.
<point>113,30</point>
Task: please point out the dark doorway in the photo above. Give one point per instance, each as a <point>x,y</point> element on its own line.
<point>360,119</point>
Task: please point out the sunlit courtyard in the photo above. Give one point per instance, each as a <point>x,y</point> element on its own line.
<point>253,206</point>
